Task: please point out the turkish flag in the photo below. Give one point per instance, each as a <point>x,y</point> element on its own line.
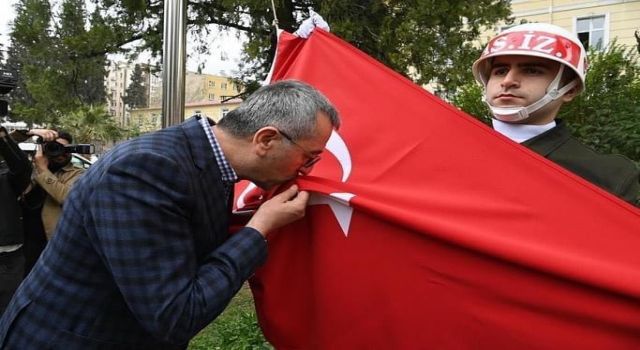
<point>428,230</point>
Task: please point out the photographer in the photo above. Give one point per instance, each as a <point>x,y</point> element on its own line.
<point>15,172</point>
<point>54,173</point>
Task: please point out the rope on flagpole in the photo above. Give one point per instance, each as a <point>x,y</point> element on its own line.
<point>275,17</point>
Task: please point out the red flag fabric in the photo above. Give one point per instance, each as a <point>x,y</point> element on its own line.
<point>428,230</point>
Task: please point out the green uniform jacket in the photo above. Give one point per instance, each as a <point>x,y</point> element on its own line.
<point>612,172</point>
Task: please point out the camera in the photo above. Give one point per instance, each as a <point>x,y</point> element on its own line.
<point>8,82</point>
<point>55,149</point>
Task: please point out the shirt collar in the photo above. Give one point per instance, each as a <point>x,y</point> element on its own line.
<point>520,132</point>
<point>227,172</point>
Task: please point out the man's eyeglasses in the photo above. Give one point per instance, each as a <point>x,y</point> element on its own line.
<point>312,158</point>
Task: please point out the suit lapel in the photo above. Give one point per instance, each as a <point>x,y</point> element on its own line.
<point>213,226</point>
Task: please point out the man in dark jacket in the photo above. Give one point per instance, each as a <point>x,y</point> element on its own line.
<point>529,71</point>
<point>15,172</point>
<point>142,257</point>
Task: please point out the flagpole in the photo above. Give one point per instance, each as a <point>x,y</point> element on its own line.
<point>275,17</point>
<point>174,62</point>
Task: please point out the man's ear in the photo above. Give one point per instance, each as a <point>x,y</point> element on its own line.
<point>571,94</point>
<point>263,139</point>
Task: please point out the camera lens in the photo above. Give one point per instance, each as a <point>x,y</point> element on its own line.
<point>53,149</point>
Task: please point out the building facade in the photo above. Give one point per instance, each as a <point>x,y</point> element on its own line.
<point>118,80</point>
<point>205,94</point>
<point>596,23</point>
<point>199,88</point>
<point>150,119</point>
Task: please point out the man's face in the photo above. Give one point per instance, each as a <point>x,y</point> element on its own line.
<point>290,158</point>
<point>518,81</point>
<point>61,160</point>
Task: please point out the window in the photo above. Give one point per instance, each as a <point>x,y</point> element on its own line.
<point>211,97</point>
<point>592,31</point>
<point>224,112</point>
<point>223,86</point>
<point>212,84</point>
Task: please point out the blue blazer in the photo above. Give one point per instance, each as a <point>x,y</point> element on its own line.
<point>141,258</point>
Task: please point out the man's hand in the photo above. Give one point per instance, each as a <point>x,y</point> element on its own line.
<point>308,25</point>
<point>280,210</point>
<point>46,134</point>
<point>41,162</point>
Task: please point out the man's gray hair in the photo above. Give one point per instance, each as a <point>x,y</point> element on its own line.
<point>288,105</point>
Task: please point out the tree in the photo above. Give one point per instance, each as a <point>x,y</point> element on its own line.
<point>426,39</point>
<point>90,124</point>
<point>56,73</point>
<point>434,38</point>
<point>136,93</point>
<point>28,57</point>
<point>84,75</point>
<point>469,99</point>
<point>605,115</point>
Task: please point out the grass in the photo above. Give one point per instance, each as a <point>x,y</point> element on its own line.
<point>236,328</point>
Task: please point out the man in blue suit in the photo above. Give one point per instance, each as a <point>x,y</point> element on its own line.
<point>142,258</point>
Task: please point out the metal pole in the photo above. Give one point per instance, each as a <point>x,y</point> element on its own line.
<point>174,61</point>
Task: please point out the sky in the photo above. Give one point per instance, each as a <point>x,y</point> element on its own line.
<point>223,60</point>
<point>6,15</point>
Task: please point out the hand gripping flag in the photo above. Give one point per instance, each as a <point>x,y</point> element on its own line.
<point>428,230</point>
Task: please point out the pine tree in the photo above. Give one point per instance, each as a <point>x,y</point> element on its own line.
<point>57,66</point>
<point>137,91</point>
<point>84,73</point>
<point>29,57</point>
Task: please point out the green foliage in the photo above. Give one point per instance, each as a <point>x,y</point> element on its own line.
<point>235,328</point>
<point>51,56</point>
<point>136,94</point>
<point>26,55</point>
<point>435,37</point>
<point>429,39</point>
<point>606,116</point>
<point>90,124</point>
<point>83,73</point>
<point>469,99</point>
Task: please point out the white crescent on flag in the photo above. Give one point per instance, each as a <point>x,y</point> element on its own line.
<point>338,202</point>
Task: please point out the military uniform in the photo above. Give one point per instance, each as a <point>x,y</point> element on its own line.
<point>612,172</point>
